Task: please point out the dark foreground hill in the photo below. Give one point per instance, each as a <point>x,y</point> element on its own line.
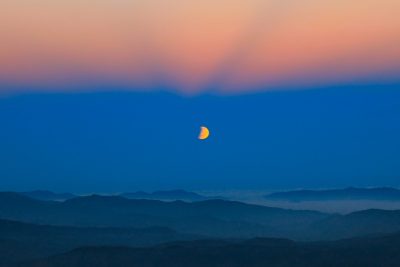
<point>20,241</point>
<point>350,193</point>
<point>361,252</point>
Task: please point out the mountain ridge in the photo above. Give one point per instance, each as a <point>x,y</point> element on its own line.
<point>177,194</point>
<point>349,193</point>
<point>214,218</point>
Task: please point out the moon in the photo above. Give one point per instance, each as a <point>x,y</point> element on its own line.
<point>204,133</point>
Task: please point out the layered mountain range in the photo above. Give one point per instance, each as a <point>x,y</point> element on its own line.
<point>34,231</point>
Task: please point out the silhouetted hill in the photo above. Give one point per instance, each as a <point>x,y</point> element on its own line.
<point>351,193</point>
<point>217,218</point>
<point>360,252</point>
<point>166,195</point>
<point>14,205</point>
<point>212,218</point>
<point>48,195</point>
<point>20,241</point>
<point>12,251</point>
<point>356,224</point>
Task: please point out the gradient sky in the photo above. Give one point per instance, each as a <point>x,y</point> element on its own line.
<point>195,46</point>
<point>112,142</point>
<point>109,96</point>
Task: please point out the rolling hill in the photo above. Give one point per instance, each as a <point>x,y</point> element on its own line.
<point>218,218</point>
<point>358,252</point>
<point>210,218</point>
<point>19,241</point>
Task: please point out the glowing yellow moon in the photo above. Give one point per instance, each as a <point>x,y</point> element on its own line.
<point>204,133</point>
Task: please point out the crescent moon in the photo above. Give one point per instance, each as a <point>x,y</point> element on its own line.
<point>204,133</point>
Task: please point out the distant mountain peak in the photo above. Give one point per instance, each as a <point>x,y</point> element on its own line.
<point>47,195</point>
<point>348,193</point>
<point>176,194</point>
<point>97,198</point>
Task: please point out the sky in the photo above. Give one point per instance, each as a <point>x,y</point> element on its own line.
<point>109,96</point>
<point>195,46</point>
<point>128,141</point>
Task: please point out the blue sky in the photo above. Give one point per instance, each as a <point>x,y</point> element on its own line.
<point>126,141</point>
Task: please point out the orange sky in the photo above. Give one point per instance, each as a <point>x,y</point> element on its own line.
<point>193,45</point>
